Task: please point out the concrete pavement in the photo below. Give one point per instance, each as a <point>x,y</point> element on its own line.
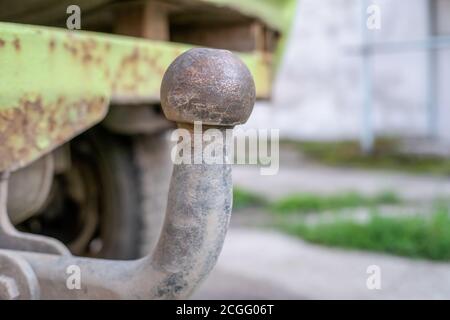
<point>258,264</point>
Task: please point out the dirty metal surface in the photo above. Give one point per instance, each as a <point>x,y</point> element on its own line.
<point>55,83</point>
<point>17,279</point>
<point>208,84</point>
<point>12,239</point>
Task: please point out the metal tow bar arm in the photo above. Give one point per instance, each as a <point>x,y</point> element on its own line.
<point>211,86</point>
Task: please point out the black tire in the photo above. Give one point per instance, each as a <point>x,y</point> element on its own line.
<point>120,210</point>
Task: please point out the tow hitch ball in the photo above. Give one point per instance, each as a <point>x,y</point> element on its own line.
<point>210,86</point>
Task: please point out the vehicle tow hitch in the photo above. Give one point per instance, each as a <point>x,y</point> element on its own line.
<point>210,86</point>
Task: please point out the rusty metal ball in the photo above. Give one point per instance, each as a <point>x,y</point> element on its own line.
<point>209,85</point>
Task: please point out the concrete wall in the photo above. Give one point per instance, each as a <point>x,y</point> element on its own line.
<point>317,94</point>
<point>443,56</point>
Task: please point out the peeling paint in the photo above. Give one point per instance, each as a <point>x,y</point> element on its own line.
<point>34,126</point>
<point>16,44</point>
<point>75,75</point>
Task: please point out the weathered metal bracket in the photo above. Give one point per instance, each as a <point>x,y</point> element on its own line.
<point>216,88</point>
<point>12,239</point>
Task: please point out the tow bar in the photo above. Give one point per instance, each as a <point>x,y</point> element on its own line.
<point>210,86</point>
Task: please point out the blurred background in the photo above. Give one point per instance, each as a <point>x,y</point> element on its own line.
<point>364,161</point>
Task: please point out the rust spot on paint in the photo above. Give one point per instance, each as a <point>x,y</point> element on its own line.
<point>72,49</point>
<point>34,126</point>
<point>16,44</point>
<point>87,57</point>
<point>137,67</point>
<point>88,49</point>
<point>52,44</point>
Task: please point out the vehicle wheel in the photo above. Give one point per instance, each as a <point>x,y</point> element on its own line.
<point>94,206</point>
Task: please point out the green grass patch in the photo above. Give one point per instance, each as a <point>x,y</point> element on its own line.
<point>317,203</point>
<point>416,237</point>
<point>386,155</point>
<point>245,199</point>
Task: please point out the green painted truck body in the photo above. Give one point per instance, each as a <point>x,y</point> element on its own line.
<point>56,83</point>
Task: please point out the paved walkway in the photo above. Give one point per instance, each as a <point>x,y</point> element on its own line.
<point>268,265</point>
<point>260,264</point>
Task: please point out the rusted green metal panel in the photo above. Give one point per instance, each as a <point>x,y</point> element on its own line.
<point>56,83</point>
